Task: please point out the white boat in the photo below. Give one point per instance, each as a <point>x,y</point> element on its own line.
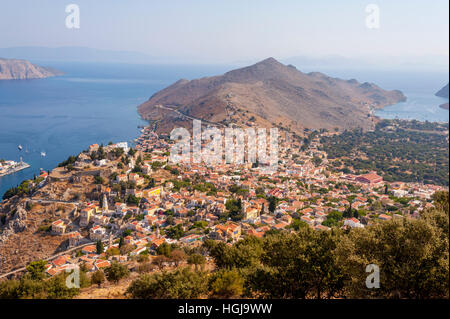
<point>43,154</point>
<point>20,147</point>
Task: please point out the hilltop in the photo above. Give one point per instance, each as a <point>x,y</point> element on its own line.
<point>443,92</point>
<point>13,69</point>
<point>269,93</point>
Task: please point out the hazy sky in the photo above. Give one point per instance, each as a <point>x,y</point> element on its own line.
<point>232,30</point>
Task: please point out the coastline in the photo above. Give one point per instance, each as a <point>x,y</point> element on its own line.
<point>16,168</point>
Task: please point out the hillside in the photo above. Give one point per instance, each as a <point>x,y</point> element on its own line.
<point>443,92</point>
<point>269,93</point>
<point>12,69</point>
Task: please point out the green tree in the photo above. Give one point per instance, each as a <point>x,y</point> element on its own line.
<point>179,284</point>
<point>164,249</point>
<point>98,278</point>
<point>36,269</point>
<point>196,260</point>
<point>100,248</point>
<point>273,201</point>
<point>116,272</point>
<point>227,284</point>
<point>412,256</point>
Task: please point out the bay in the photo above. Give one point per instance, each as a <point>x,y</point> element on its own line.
<point>91,103</point>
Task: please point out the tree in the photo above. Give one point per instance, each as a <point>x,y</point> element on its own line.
<point>298,223</point>
<point>36,269</point>
<point>227,284</point>
<point>297,265</point>
<point>116,271</point>
<point>175,232</point>
<point>98,179</point>
<point>348,213</point>
<point>177,256</point>
<point>126,249</point>
<point>121,242</point>
<point>412,256</point>
<point>159,261</point>
<point>98,278</point>
<point>100,247</point>
<point>56,288</point>
<point>113,251</point>
<point>179,284</point>
<point>133,200</point>
<point>196,260</point>
<point>273,201</point>
<point>223,255</point>
<point>164,249</point>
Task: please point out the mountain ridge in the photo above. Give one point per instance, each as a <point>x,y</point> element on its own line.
<point>443,92</point>
<point>270,93</point>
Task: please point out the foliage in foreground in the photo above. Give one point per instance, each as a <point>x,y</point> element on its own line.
<point>412,256</point>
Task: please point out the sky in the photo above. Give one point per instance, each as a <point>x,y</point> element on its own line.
<point>233,30</point>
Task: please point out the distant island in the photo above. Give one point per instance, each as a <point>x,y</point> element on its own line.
<point>444,106</point>
<point>443,93</point>
<point>14,69</point>
<point>269,94</point>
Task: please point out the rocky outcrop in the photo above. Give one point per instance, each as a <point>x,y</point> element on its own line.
<point>15,224</point>
<point>12,69</point>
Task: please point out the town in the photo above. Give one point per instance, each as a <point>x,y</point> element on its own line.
<point>9,167</point>
<point>115,203</point>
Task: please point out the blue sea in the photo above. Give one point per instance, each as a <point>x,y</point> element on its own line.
<point>97,103</point>
<point>91,103</point>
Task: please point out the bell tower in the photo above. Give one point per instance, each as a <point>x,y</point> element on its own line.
<point>105,208</point>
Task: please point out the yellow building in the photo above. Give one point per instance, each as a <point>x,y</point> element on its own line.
<point>155,191</point>
<point>85,216</point>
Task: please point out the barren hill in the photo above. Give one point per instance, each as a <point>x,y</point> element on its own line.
<point>12,69</point>
<point>269,93</point>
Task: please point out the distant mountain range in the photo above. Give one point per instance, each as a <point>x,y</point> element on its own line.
<point>85,54</point>
<point>14,69</point>
<point>267,94</point>
<point>443,93</point>
<point>74,54</point>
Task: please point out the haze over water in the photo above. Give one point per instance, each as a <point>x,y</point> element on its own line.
<point>96,103</point>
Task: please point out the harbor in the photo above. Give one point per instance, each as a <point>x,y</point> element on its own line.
<point>10,167</point>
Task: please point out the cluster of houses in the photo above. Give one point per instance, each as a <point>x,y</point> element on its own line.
<point>304,192</point>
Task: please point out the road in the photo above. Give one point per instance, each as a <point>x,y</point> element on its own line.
<point>52,201</point>
<point>188,116</point>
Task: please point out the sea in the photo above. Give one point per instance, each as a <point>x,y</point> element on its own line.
<point>97,103</point>
<point>91,103</point>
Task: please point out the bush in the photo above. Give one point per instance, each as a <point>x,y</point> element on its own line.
<point>227,284</point>
<point>180,284</point>
<point>98,277</point>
